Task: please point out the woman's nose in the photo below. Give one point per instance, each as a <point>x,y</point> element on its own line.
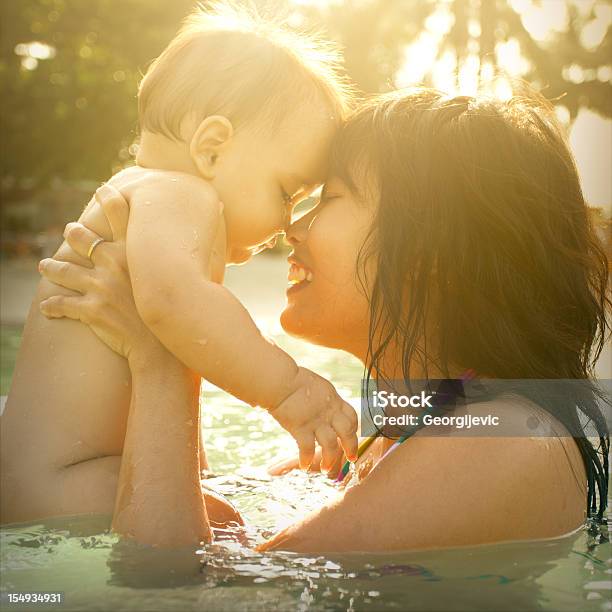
<point>297,231</point>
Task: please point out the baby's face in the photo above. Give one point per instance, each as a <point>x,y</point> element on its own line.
<point>260,178</point>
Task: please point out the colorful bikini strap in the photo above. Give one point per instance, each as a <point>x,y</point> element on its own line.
<point>465,377</point>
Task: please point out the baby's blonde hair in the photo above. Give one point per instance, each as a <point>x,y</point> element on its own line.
<point>229,60</point>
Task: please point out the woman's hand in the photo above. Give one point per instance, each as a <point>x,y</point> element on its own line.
<point>106,303</point>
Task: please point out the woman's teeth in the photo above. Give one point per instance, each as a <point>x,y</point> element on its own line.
<point>297,274</point>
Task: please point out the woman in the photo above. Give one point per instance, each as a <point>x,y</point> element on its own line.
<point>451,236</point>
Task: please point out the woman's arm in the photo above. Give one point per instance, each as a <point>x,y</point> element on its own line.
<point>162,434</point>
<point>450,491</point>
<point>159,498</point>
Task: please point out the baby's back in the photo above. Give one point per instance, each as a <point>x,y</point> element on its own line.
<point>70,393</point>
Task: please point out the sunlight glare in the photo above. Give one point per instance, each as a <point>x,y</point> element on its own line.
<point>418,60</point>
<point>32,52</point>
<point>443,73</point>
<point>502,89</point>
<point>593,32</point>
<point>468,76</point>
<point>37,50</point>
<point>510,59</point>
<point>440,21</point>
<point>317,3</point>
<point>543,18</point>
<point>591,142</point>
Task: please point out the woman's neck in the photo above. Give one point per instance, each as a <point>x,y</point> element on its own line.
<point>391,367</point>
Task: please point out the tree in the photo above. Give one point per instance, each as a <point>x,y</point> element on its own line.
<point>375,34</point>
<point>73,115</point>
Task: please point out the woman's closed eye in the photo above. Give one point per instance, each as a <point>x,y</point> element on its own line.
<point>303,192</point>
<point>326,197</point>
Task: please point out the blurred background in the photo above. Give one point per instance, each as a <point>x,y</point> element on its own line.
<point>69,71</point>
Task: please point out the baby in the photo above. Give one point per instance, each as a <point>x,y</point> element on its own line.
<point>236,119</point>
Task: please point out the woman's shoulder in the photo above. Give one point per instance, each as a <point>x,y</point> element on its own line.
<point>518,460</point>
<point>488,483</point>
<point>446,490</point>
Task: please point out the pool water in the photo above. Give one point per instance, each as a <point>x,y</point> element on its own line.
<point>95,571</point>
<point>10,338</point>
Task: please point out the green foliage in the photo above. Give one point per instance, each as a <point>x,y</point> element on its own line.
<point>73,116</point>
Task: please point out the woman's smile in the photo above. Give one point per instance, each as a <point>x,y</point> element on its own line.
<point>299,275</point>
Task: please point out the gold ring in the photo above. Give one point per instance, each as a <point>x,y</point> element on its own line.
<point>93,246</point>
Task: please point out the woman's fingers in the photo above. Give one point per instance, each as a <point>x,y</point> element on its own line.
<point>66,274</point>
<point>326,437</point>
<point>59,306</point>
<point>81,239</point>
<point>115,208</point>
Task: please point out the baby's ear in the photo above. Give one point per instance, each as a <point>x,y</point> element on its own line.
<point>210,138</point>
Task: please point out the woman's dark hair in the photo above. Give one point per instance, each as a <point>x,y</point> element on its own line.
<point>485,251</point>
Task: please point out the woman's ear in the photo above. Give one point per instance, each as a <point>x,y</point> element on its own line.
<point>210,138</point>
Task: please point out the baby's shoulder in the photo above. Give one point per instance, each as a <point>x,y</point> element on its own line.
<point>165,185</point>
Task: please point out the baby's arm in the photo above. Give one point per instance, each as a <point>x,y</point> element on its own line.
<point>172,229</point>
<point>228,348</point>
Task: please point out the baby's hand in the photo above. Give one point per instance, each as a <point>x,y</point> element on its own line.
<point>284,466</point>
<point>315,411</point>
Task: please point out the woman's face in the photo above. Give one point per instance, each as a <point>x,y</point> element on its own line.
<point>326,304</point>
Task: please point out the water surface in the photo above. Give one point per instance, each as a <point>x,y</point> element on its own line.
<point>96,571</point>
